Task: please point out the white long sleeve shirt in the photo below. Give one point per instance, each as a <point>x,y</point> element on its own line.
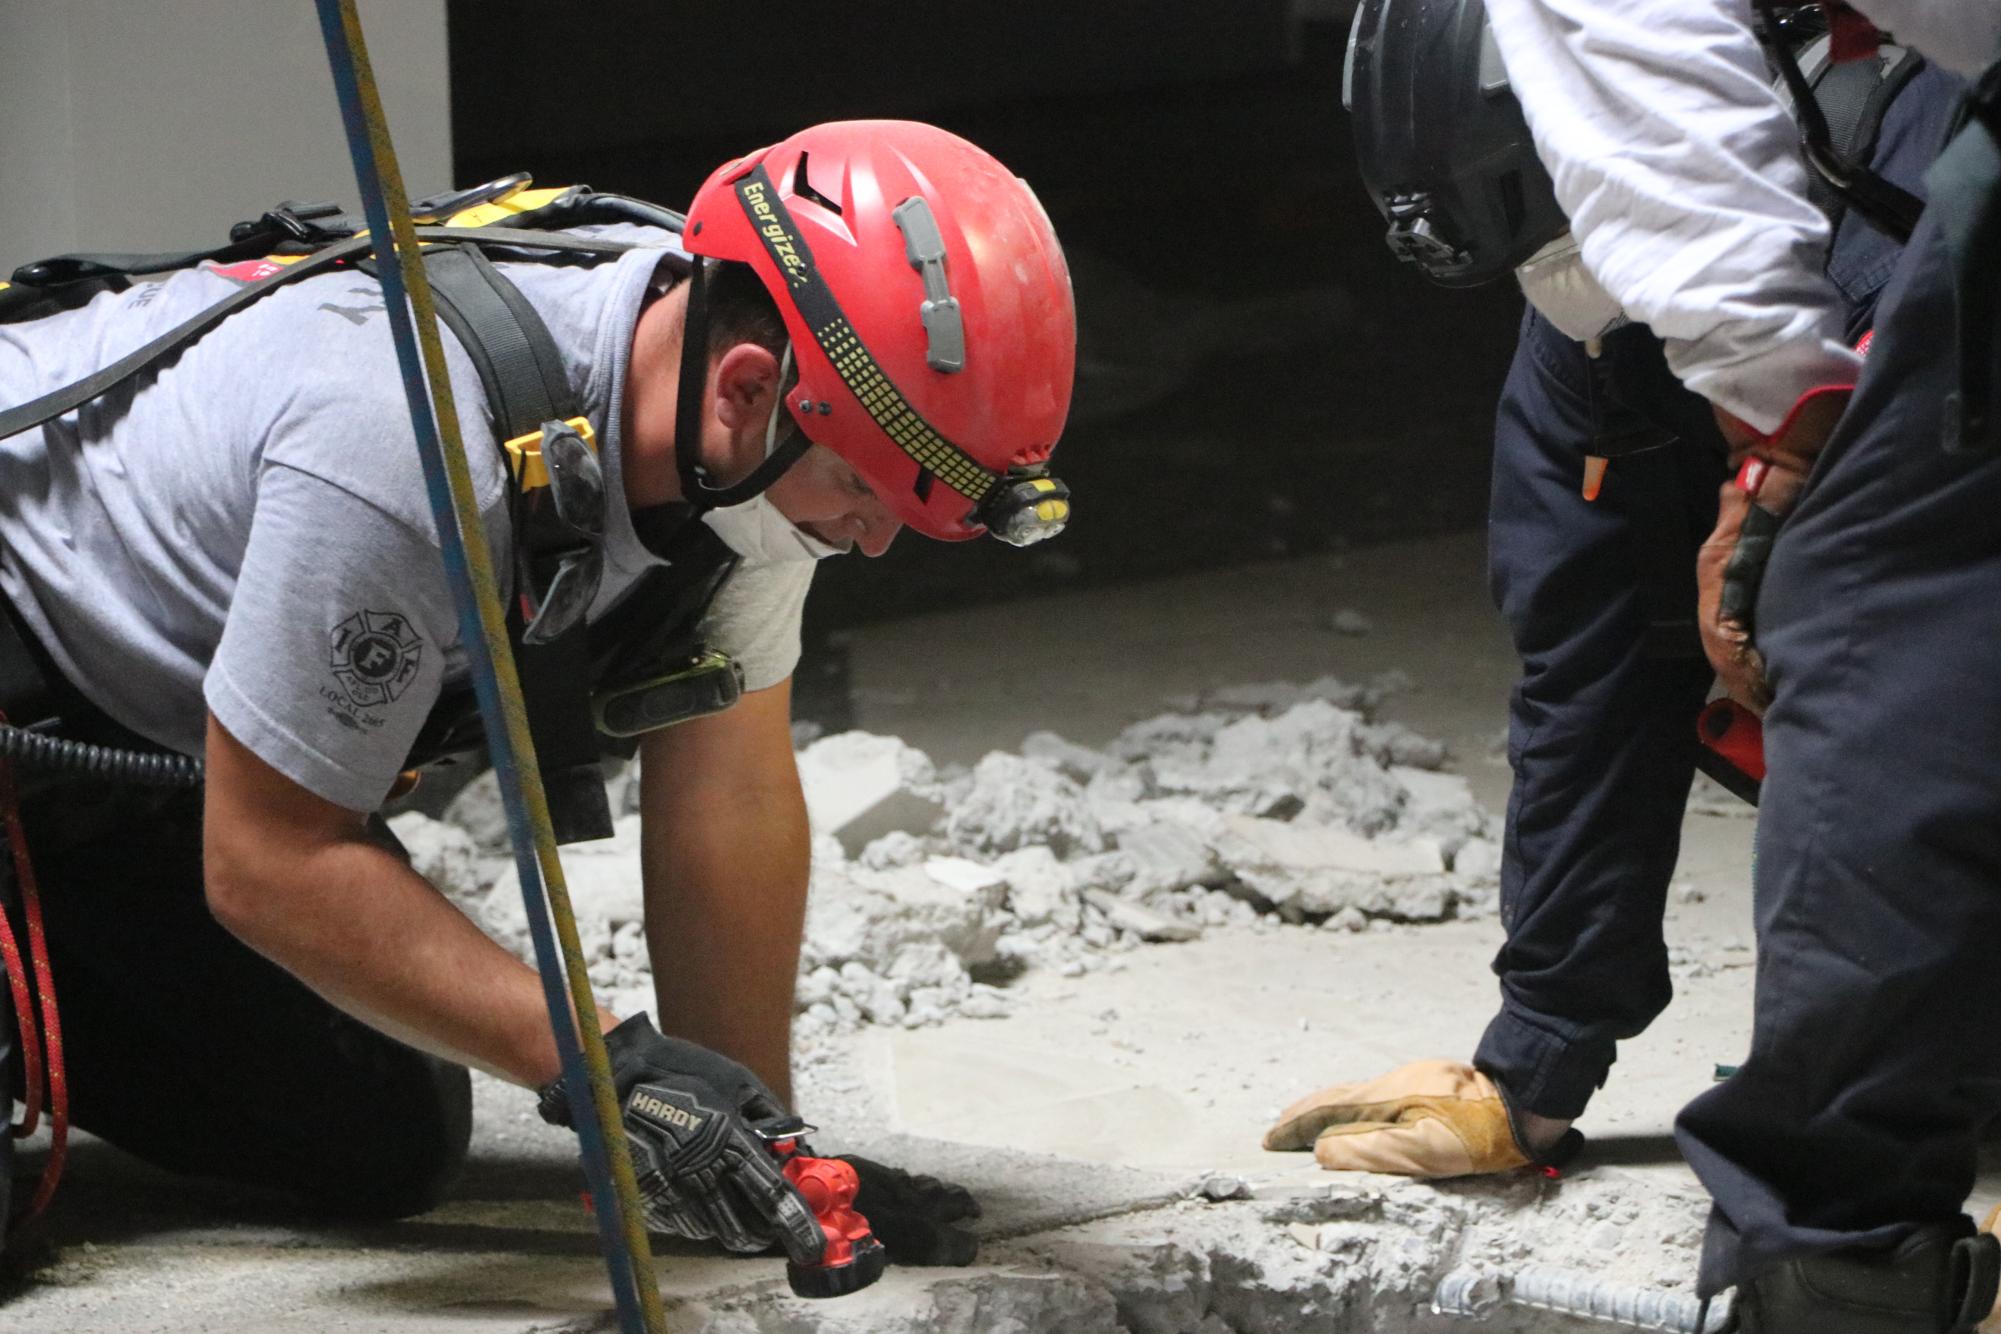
<point>1680,171</point>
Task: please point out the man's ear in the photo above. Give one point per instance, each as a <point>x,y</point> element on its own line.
<point>746,376</point>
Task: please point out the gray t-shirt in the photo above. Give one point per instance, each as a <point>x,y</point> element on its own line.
<point>246,529</point>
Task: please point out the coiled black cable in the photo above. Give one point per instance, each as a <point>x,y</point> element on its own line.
<point>113,764</point>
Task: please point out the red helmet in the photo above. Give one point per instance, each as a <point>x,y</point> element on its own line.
<point>930,314</point>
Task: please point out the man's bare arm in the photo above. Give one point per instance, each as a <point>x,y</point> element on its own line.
<point>297,879</point>
<point>726,855</point>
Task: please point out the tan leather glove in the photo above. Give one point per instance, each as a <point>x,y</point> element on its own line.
<point>1771,470</point>
<point>1426,1119</point>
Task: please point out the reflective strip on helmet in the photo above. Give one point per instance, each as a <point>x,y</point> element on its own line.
<point>843,347</point>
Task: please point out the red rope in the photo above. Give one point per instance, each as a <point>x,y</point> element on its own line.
<point>51,1034</point>
<point>31,1047</point>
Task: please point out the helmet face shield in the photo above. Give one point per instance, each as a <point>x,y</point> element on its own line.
<point>928,304</point>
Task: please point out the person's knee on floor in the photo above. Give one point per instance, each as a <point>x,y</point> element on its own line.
<point>399,1160</point>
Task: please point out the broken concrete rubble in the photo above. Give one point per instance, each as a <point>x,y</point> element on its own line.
<point>1364,1256</point>
<point>859,787</point>
<point>929,890</point>
<point>1008,803</point>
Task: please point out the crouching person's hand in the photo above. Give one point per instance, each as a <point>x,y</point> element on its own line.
<point>704,1172</point>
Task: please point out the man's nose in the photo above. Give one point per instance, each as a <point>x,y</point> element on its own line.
<point>879,534</point>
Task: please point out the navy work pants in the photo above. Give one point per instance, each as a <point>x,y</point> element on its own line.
<point>1876,1054</point>
<point>1601,724</point>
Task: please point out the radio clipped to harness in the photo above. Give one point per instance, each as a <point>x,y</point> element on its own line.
<point>709,683</point>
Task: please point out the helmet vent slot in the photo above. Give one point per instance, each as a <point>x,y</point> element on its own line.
<point>802,188</point>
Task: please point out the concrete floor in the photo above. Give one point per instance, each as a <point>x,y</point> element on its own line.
<point>1085,1119</point>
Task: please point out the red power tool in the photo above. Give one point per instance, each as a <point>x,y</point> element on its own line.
<point>1733,747</point>
<point>853,1258</point>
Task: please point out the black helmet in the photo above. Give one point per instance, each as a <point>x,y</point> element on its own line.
<point>1443,147</point>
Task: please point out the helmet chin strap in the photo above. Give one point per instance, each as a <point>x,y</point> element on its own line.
<point>696,488</point>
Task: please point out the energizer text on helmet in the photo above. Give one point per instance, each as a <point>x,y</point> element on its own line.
<point>1558,285</point>
<point>759,533</point>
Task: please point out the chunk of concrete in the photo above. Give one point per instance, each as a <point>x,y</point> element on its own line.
<point>1440,806</point>
<point>1015,803</point>
<point>603,878</point>
<point>1168,856</point>
<point>1140,920</point>
<point>860,787</point>
<point>856,914</point>
<point>1317,870</point>
<point>1039,889</point>
<point>1075,762</point>
<point>478,810</point>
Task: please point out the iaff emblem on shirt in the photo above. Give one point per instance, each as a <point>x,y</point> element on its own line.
<point>375,656</point>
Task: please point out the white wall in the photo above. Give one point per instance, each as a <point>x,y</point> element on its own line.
<point>155,124</point>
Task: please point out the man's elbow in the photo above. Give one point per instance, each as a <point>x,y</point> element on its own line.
<point>234,883</point>
<point>252,874</point>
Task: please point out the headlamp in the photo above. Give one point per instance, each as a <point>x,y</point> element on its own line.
<point>1025,508</point>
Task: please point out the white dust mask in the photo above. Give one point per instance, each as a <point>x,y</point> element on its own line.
<point>756,529</point>
<point>758,532</point>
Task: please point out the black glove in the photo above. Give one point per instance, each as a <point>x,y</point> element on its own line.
<point>912,1216</point>
<point>704,1173</point>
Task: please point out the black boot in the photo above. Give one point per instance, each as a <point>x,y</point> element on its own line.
<point>1941,1280</point>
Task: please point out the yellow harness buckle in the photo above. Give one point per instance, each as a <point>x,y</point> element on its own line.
<point>524,454</point>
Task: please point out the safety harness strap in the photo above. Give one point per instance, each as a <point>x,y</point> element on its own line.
<point>73,396</point>
<point>522,371</point>
<point>1888,206</point>
<point>510,346</point>
<point>290,223</point>
<point>1853,97</point>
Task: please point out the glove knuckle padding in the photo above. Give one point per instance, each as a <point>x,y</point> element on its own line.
<point>740,1224</point>
<point>706,1176</point>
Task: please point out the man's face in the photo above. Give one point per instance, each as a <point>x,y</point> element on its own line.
<point>825,496</point>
